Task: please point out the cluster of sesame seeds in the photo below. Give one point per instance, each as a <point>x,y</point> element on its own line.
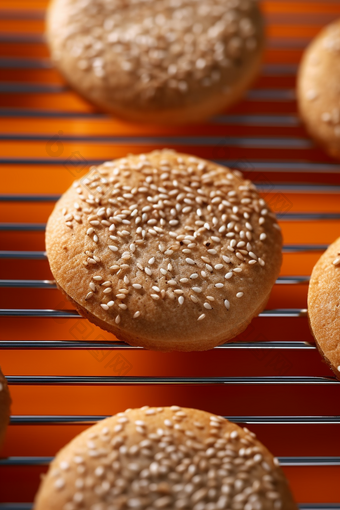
<point>168,228</point>
<point>156,458</point>
<point>140,50</point>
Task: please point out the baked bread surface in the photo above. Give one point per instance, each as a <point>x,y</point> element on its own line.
<point>318,89</point>
<point>167,458</point>
<point>165,250</point>
<point>164,61</point>
<point>324,306</point>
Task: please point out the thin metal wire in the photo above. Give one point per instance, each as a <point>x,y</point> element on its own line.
<point>114,345</point>
<point>40,227</point>
<point>284,461</point>
<point>250,166</point>
<point>302,506</point>
<point>208,141</point>
<point>132,380</point>
<point>50,284</point>
<point>72,314</point>
<point>41,255</point>
<point>248,420</point>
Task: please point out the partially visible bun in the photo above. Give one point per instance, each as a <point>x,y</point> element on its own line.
<point>165,458</point>
<point>324,306</point>
<point>164,61</point>
<point>5,403</point>
<point>318,89</point>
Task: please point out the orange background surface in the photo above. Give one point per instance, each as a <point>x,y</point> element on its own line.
<point>32,121</point>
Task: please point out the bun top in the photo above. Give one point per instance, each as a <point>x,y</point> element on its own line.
<point>323,305</point>
<point>166,247</point>
<point>165,458</point>
<point>153,54</point>
<point>319,88</point>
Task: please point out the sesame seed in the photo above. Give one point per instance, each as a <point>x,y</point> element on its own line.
<point>227,304</point>
<point>59,483</point>
<point>113,248</point>
<point>207,306</point>
<point>189,261</point>
<point>336,262</point>
<point>239,294</point>
<point>197,289</point>
<point>228,275</point>
<point>136,315</point>
<point>201,317</point>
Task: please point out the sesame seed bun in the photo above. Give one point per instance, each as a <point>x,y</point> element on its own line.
<point>171,458</point>
<point>157,62</point>
<point>324,306</point>
<point>5,403</point>
<point>318,89</point>
<point>165,250</point>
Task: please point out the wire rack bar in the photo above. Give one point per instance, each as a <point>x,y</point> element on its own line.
<point>132,380</point>
<point>250,166</point>
<point>86,345</point>
<point>41,255</point>
<point>50,284</point>
<point>72,314</point>
<point>302,506</point>
<point>284,461</point>
<point>40,227</point>
<point>250,420</point>
<point>262,187</point>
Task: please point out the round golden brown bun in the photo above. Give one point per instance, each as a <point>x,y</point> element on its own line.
<point>324,306</point>
<point>165,250</point>
<point>318,89</point>
<point>169,458</point>
<point>5,404</point>
<point>167,61</point>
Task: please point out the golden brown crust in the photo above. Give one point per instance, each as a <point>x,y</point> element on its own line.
<point>187,269</point>
<point>5,404</point>
<point>191,67</point>
<point>324,306</point>
<point>318,89</point>
<point>164,458</point>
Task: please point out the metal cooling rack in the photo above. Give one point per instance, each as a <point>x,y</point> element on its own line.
<point>269,143</point>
